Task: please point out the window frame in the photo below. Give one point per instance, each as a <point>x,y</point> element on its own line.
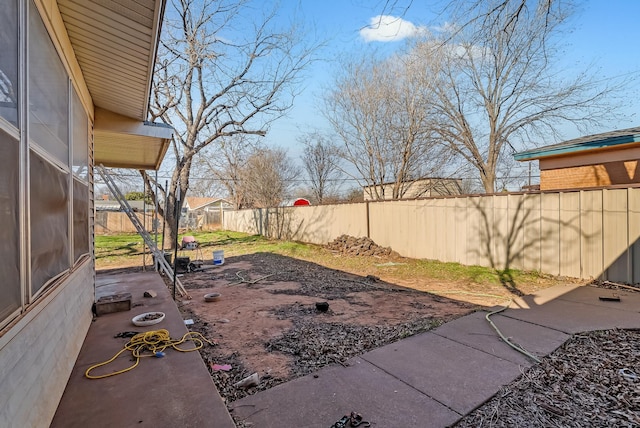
<point>27,147</point>
<point>9,129</point>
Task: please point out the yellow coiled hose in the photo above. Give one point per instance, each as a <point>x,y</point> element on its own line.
<point>149,344</point>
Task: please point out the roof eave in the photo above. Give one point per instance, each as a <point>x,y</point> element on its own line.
<point>157,29</point>
<point>123,142</point>
<point>574,148</point>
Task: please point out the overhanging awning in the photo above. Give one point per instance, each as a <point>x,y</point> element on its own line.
<point>123,142</point>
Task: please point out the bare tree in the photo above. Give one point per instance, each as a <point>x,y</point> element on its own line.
<point>354,194</point>
<point>201,182</point>
<point>226,163</point>
<point>220,74</point>
<point>381,112</point>
<point>321,161</point>
<point>498,15</point>
<point>497,86</point>
<point>268,178</point>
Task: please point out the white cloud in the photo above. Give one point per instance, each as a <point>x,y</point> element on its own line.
<point>446,28</point>
<point>387,28</point>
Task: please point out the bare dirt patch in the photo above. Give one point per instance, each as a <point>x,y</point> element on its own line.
<point>266,320</point>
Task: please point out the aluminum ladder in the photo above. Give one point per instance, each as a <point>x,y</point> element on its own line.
<point>159,255</point>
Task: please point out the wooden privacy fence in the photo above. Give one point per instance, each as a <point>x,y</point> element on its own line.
<point>582,234</point>
<point>108,222</point>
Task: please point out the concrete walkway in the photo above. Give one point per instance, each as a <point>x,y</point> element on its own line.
<point>435,378</point>
<point>174,391</point>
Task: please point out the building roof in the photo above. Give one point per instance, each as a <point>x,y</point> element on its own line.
<point>417,180</point>
<point>115,45</point>
<point>194,202</point>
<point>101,205</point>
<point>590,142</point>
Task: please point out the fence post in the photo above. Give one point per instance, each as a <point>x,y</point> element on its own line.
<point>368,226</point>
<point>629,245</point>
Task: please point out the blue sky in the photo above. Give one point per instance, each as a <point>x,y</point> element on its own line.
<point>605,34</point>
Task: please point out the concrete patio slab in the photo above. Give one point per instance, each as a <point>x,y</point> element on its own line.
<point>428,380</point>
<point>312,402</point>
<point>544,296</point>
<point>456,375</point>
<point>475,331</point>
<point>176,390</point>
<point>575,317</point>
<point>629,300</point>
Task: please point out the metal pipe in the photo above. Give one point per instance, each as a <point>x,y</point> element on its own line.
<point>144,223</point>
<point>175,252</point>
<point>155,212</point>
<point>166,209</point>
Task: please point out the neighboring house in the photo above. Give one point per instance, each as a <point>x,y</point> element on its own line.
<point>600,160</point>
<point>193,204</point>
<point>198,212</point>
<point>421,188</point>
<point>75,79</point>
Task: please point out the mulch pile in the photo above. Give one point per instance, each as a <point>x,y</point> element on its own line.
<point>315,345</point>
<point>592,380</point>
<point>363,246</point>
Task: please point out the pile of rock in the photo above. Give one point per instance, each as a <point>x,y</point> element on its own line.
<point>358,246</point>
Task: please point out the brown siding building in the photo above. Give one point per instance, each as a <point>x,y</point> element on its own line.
<point>599,160</point>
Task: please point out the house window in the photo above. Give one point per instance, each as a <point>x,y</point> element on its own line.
<point>80,134</point>
<point>80,167</point>
<point>48,93</point>
<point>9,61</point>
<point>49,221</point>
<point>80,219</point>
<point>10,285</point>
<point>10,293</point>
<point>49,157</point>
<point>44,173</point>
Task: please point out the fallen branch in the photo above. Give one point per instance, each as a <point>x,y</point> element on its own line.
<point>621,285</point>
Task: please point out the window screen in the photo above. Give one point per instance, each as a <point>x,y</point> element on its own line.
<point>80,139</point>
<point>10,299</point>
<point>80,219</point>
<point>49,221</point>
<point>9,61</point>
<point>48,92</point>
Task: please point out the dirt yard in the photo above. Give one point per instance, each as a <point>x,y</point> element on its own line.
<point>266,320</point>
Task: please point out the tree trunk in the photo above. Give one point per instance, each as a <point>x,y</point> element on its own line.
<point>488,181</point>
<point>170,221</point>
